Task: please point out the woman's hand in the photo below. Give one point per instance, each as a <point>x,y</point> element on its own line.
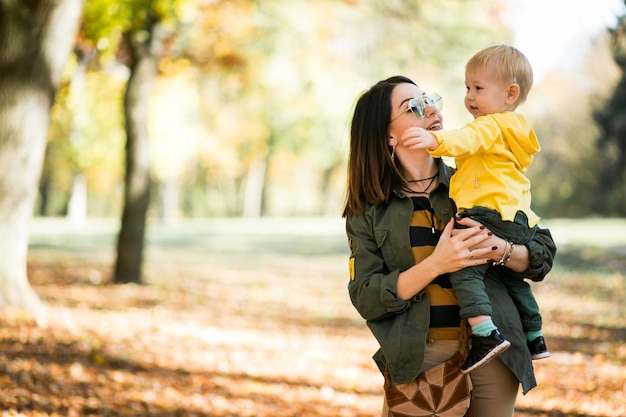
<point>460,248</point>
<point>493,248</point>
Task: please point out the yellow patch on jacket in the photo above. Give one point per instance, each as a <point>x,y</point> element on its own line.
<point>351,267</point>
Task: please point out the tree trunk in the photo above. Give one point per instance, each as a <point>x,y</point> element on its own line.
<point>325,191</point>
<point>253,192</point>
<point>256,202</point>
<point>36,38</point>
<point>77,204</point>
<point>143,55</point>
<point>169,197</point>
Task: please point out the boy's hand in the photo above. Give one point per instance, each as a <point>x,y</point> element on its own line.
<point>419,138</point>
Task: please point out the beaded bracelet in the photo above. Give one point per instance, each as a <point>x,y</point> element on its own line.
<point>506,255</point>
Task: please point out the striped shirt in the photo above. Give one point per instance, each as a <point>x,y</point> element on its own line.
<point>425,231</point>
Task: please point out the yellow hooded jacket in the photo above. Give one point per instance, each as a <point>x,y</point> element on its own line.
<point>492,154</point>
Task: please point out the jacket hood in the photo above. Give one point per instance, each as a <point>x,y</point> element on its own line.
<point>520,136</point>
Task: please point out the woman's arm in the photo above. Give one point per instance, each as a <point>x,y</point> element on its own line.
<point>541,251</point>
<point>372,286</point>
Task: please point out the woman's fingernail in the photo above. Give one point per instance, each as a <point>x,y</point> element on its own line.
<point>482,227</point>
<point>489,234</point>
<point>494,247</point>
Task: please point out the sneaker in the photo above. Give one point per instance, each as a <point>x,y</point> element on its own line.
<point>538,349</point>
<point>484,349</point>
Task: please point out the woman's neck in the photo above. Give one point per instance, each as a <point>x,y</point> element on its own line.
<point>420,170</point>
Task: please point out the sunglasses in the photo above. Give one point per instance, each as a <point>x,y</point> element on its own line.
<point>417,106</point>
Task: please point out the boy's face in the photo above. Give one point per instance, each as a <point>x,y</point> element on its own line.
<point>485,94</point>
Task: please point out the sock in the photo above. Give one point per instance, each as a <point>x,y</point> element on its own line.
<point>484,329</point>
<point>532,335</point>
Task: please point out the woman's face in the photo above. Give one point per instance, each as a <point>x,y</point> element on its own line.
<point>402,118</point>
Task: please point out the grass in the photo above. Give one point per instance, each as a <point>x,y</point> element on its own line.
<point>250,317</point>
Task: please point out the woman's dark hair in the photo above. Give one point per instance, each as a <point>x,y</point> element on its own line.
<point>372,173</point>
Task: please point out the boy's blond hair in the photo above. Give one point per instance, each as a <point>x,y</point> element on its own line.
<point>510,65</point>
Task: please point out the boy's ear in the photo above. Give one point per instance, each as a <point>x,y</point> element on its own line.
<point>512,93</point>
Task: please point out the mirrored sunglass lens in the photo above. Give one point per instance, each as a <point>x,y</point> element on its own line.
<point>417,107</point>
<point>435,101</point>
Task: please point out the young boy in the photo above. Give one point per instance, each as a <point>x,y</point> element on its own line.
<point>492,154</point>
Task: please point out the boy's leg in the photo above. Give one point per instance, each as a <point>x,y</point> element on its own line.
<point>469,287</point>
<point>468,283</point>
<point>486,341</point>
<point>521,293</point>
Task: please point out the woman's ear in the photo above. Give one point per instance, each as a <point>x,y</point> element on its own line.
<point>512,93</point>
<point>393,141</point>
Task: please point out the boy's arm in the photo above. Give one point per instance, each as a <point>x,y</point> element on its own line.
<point>419,138</point>
<point>470,139</point>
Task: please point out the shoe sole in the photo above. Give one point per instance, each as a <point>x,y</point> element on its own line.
<point>540,355</point>
<point>489,356</point>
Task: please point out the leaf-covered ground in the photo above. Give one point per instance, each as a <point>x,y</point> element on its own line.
<point>266,331</point>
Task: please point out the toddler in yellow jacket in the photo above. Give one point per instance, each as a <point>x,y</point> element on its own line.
<point>492,154</point>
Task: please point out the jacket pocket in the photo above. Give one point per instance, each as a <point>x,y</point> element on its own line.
<point>384,244</point>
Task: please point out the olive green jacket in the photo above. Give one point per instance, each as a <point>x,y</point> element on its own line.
<point>381,249</point>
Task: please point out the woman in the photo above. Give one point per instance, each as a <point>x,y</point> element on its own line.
<point>400,228</point>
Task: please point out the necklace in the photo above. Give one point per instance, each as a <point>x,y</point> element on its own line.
<point>424,179</point>
<point>425,191</point>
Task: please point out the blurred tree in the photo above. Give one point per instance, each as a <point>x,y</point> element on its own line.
<point>143,44</point>
<point>611,119</point>
<point>86,137</point>
<point>263,131</point>
<point>565,173</point>
<point>229,43</point>
<point>133,32</point>
<point>279,77</point>
<point>35,41</point>
<point>77,204</point>
<point>54,180</point>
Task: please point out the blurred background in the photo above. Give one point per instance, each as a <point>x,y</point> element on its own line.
<point>250,109</point>
<point>215,133</point>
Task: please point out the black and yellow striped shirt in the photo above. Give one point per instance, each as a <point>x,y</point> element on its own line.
<point>444,309</point>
